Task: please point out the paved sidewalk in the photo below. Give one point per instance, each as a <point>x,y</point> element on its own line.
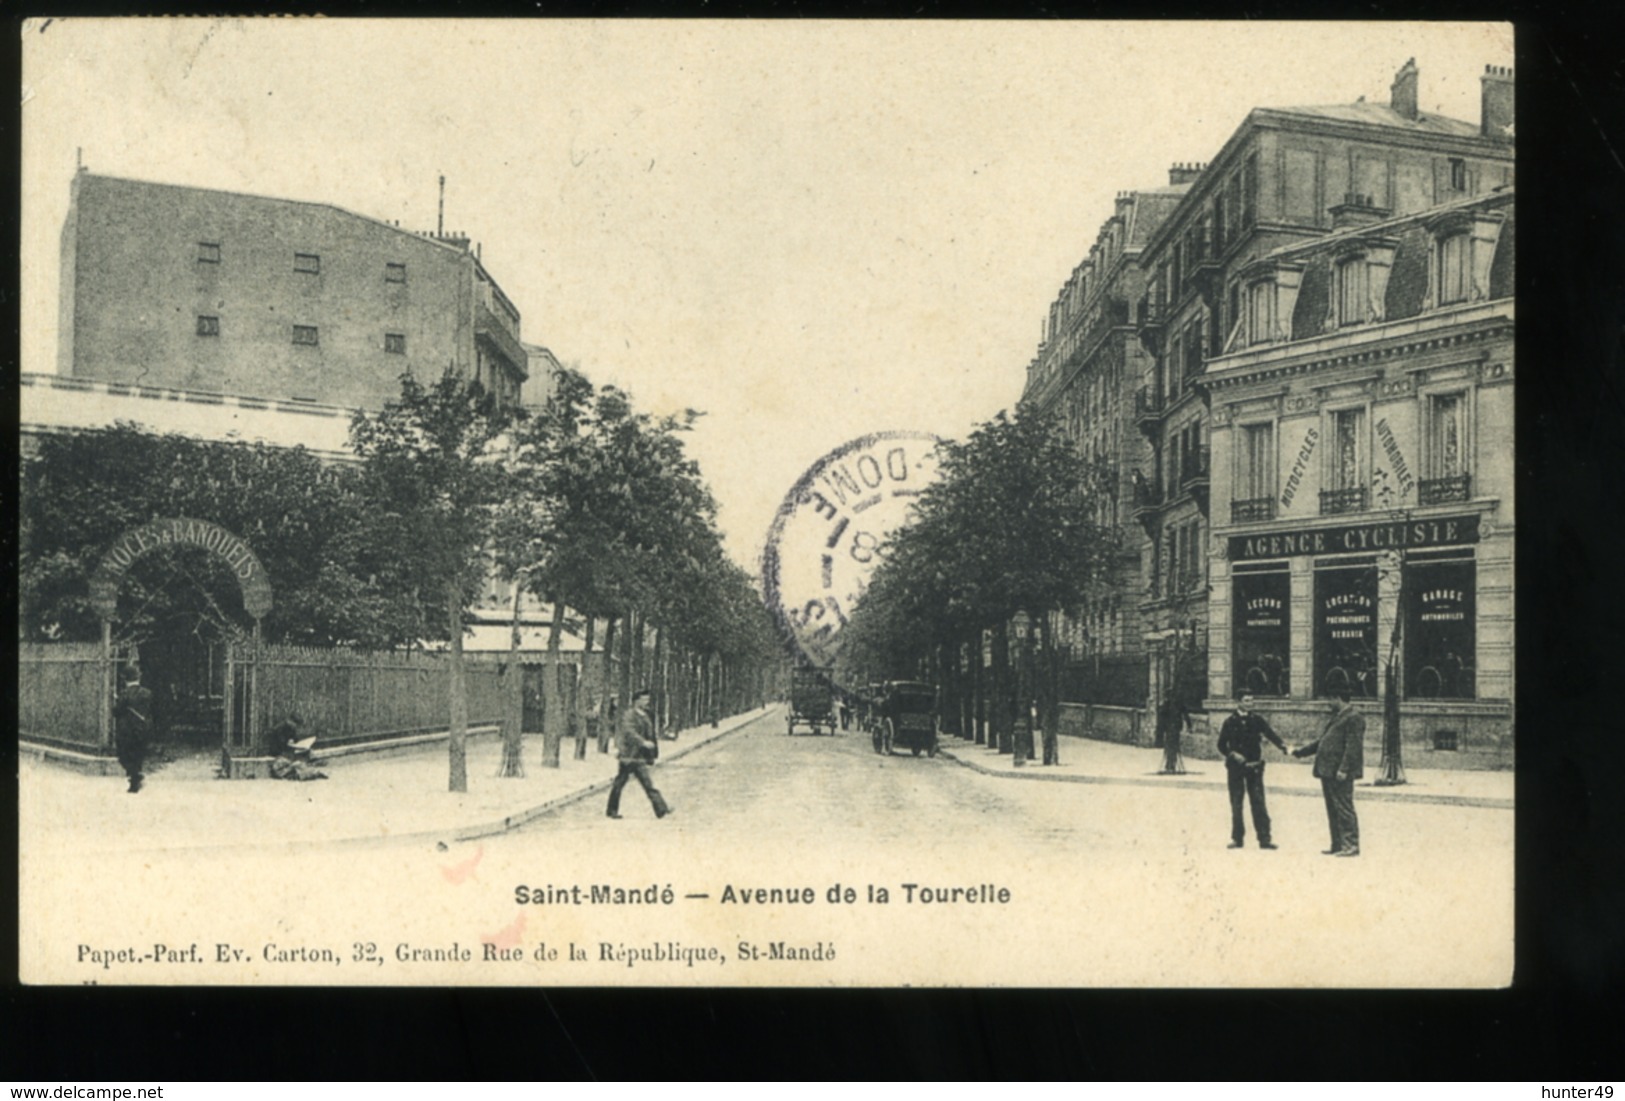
<point>365,801</point>
<point>1086,761</point>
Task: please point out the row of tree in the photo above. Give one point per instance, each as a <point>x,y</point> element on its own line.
<point>585,503</point>
<point>1005,536</point>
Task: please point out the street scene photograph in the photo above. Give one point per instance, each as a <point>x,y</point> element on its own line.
<point>901,504</point>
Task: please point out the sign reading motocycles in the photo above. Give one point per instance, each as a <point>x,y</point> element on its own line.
<point>1357,538</point>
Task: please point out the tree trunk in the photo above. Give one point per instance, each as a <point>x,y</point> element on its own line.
<point>1002,689</point>
<point>978,703</point>
<point>584,689</point>
<point>623,688</point>
<point>608,708</point>
<point>1050,694</point>
<point>513,765</point>
<point>457,742</point>
<point>553,707</point>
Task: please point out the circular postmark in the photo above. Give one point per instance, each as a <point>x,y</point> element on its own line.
<point>830,533</point>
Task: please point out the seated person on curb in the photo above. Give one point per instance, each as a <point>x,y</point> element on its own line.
<point>293,752</point>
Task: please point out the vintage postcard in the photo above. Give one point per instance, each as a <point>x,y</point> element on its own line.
<point>899,504</point>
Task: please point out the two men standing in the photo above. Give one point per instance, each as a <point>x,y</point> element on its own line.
<point>1241,743</point>
<point>636,750</point>
<point>1339,755</point>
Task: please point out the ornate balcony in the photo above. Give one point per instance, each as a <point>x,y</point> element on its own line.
<point>1252,510</point>
<point>1193,475</point>
<point>1146,500</point>
<point>1336,501</point>
<point>1148,407</point>
<point>1444,491</point>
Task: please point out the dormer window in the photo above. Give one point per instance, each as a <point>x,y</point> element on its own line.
<point>1463,250</point>
<point>1272,295</point>
<point>1359,285</point>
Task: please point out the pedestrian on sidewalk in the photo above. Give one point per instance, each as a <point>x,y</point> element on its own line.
<point>1339,755</point>
<point>637,751</point>
<point>1173,719</point>
<point>132,717</point>
<point>1241,742</point>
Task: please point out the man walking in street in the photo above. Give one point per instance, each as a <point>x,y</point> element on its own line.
<point>1339,755</point>
<point>132,716</point>
<point>1241,741</point>
<point>637,749</point>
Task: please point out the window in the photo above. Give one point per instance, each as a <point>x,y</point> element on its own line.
<point>307,262</point>
<point>1454,278</point>
<point>1346,629</point>
<point>1260,312</point>
<point>395,343</point>
<point>1193,350</point>
<point>1447,473</point>
<point>1458,174</point>
<point>304,334</point>
<point>1346,464</point>
<point>1261,631</point>
<point>1255,474</point>
<point>1439,629</point>
<point>1353,291</point>
<point>208,326</point>
<point>208,252</point>
<point>394,273</point>
<point>1249,191</point>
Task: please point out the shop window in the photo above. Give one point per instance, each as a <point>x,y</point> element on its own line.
<point>1440,630</point>
<point>208,326</point>
<point>1346,488</point>
<point>307,262</point>
<point>1261,632</point>
<point>1346,630</point>
<point>208,252</point>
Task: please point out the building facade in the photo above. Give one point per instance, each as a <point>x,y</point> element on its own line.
<point>215,292</point>
<point>1087,371</point>
<point>1363,481</point>
<point>1215,285</point>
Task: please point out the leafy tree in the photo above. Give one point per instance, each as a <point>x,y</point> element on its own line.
<point>1005,529</point>
<point>431,466</point>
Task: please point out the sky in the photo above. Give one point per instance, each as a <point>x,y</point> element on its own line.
<point>810,231</point>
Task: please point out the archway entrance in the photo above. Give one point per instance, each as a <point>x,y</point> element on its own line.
<point>187,637</point>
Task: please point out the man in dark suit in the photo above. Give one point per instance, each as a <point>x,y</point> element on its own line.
<point>1339,755</point>
<point>637,749</point>
<point>132,718</point>
<point>1241,741</point>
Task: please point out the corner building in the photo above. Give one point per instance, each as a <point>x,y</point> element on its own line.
<point>201,291</point>
<point>1364,475</point>
<point>1217,286</point>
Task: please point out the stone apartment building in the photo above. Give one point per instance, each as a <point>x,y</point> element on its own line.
<point>1088,369</point>
<point>1207,275</point>
<point>200,291</point>
<point>1281,179</point>
<point>1363,480</point>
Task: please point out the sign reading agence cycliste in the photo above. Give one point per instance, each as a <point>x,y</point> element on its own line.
<point>830,534</point>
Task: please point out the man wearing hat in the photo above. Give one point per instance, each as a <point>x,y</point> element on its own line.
<point>132,717</point>
<point>637,748</point>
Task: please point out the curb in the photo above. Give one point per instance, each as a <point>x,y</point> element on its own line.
<point>1378,794</point>
<point>454,834</point>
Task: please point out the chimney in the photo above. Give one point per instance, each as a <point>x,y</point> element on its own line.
<point>1125,201</point>
<point>1356,210</point>
<point>1495,120</point>
<point>1184,173</point>
<point>1404,90</point>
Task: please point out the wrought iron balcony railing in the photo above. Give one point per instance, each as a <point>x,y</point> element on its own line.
<point>1335,501</point>
<point>1442,491</point>
<point>1252,509</point>
<point>1193,466</point>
